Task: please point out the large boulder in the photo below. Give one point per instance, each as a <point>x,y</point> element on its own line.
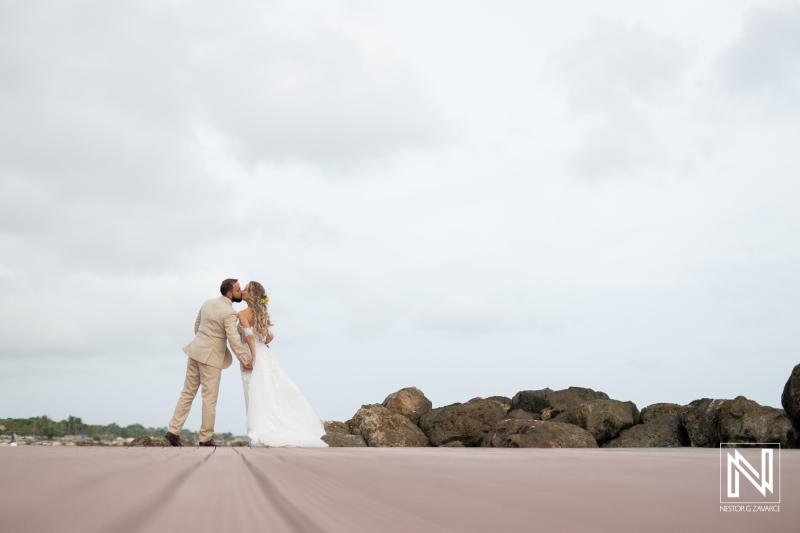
<point>656,410</point>
<point>665,431</point>
<point>790,399</point>
<point>743,420</point>
<point>466,422</point>
<point>514,433</point>
<point>409,402</point>
<point>604,419</point>
<point>701,421</point>
<point>380,427</point>
<point>550,403</point>
<point>148,441</point>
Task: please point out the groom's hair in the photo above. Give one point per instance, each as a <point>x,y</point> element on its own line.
<point>227,286</point>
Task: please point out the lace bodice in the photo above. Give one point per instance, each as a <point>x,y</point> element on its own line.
<point>246,332</point>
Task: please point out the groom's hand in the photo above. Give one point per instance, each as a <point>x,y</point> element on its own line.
<point>248,366</point>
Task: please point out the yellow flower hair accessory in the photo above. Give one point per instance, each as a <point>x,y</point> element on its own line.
<point>265,300</point>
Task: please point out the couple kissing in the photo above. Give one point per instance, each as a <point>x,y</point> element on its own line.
<point>276,411</point>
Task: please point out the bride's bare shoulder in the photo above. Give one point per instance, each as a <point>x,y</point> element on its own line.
<point>245,317</point>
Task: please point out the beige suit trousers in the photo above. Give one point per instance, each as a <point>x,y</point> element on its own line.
<point>196,374</point>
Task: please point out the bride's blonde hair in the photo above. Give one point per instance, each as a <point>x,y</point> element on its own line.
<point>255,300</point>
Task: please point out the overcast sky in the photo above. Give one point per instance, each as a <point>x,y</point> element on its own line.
<point>473,198</point>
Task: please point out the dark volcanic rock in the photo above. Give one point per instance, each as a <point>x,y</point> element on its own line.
<point>572,396</point>
<point>555,402</point>
<point>665,431</point>
<point>409,402</point>
<point>743,420</point>
<point>519,414</point>
<point>701,421</point>
<point>790,399</point>
<point>533,401</point>
<point>651,412</point>
<point>380,427</point>
<point>426,421</point>
<point>466,422</point>
<point>604,419</point>
<point>145,440</point>
<point>338,440</point>
<point>537,434</point>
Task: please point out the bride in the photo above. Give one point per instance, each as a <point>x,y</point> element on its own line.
<point>277,412</point>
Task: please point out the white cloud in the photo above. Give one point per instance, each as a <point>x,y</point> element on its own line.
<point>622,78</point>
<point>763,64</point>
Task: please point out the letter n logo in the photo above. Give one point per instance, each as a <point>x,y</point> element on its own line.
<point>738,464</point>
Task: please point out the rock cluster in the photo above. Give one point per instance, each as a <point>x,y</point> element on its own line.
<point>144,440</point>
<point>575,417</point>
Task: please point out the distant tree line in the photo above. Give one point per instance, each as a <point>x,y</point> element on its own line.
<point>43,426</point>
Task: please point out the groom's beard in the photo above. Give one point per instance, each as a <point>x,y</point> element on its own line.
<point>236,300</point>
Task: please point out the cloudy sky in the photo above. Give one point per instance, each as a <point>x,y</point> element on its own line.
<point>474,198</point>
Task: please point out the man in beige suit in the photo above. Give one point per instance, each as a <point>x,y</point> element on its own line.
<point>208,355</point>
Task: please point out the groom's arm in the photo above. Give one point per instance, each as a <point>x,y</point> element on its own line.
<point>197,321</point>
<point>234,340</point>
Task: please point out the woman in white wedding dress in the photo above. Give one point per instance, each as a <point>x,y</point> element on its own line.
<point>277,412</point>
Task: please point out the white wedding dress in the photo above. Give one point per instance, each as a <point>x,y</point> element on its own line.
<point>277,412</point>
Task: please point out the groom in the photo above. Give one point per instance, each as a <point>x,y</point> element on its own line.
<point>208,355</point>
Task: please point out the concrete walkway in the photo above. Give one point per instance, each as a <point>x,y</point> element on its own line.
<point>376,490</point>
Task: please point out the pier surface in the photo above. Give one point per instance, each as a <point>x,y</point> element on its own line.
<point>376,490</point>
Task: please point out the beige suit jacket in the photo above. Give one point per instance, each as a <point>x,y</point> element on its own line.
<point>215,324</point>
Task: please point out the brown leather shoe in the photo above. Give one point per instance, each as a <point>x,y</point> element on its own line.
<point>209,442</point>
<point>173,439</point>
